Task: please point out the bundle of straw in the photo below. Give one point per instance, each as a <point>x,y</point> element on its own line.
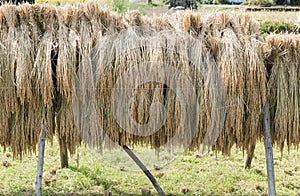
<point>26,68</point>
<point>234,42</point>
<point>141,47</point>
<point>92,25</point>
<point>65,64</point>
<point>9,102</point>
<point>283,88</point>
<point>79,29</point>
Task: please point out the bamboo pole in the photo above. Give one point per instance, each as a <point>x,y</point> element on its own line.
<point>145,170</point>
<point>39,176</point>
<point>269,150</point>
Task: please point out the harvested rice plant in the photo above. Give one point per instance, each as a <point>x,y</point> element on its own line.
<point>283,89</point>
<point>97,78</point>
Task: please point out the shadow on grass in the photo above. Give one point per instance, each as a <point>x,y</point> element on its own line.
<point>101,180</point>
<point>97,176</point>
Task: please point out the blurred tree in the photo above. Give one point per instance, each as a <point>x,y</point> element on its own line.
<point>295,2</point>
<point>17,2</point>
<point>185,4</point>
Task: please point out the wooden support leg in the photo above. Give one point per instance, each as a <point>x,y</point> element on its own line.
<point>63,152</point>
<point>39,175</point>
<point>145,170</point>
<point>250,155</point>
<point>269,150</point>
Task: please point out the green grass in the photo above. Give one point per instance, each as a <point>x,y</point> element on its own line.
<point>267,27</point>
<point>203,175</point>
<point>259,2</point>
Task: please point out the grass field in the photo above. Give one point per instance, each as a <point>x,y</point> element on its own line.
<point>199,175</point>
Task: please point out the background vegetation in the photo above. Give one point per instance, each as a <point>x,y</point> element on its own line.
<point>259,2</point>
<point>191,172</point>
<point>267,27</point>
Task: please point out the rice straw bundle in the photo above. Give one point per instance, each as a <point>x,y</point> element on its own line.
<point>191,22</point>
<point>9,47</point>
<point>25,55</point>
<point>141,47</point>
<point>248,25</point>
<point>78,66</point>
<point>79,29</point>
<point>255,92</point>
<point>43,29</point>
<point>283,89</point>
<point>134,18</point>
<point>42,71</point>
<point>67,64</point>
<point>230,61</point>
<point>102,21</point>
<point>8,104</point>
<point>162,22</point>
<point>234,42</point>
<point>67,51</point>
<point>15,114</point>
<point>94,25</point>
<point>27,88</point>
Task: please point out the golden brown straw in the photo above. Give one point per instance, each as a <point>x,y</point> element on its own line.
<point>62,66</point>
<point>27,88</point>
<point>283,88</point>
<point>234,42</point>
<point>149,46</point>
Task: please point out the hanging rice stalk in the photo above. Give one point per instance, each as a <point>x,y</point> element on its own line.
<point>67,51</point>
<point>26,88</point>
<point>92,25</point>
<point>82,69</point>
<point>283,88</point>
<point>67,64</point>
<point>8,48</point>
<point>145,47</point>
<point>234,42</point>
<point>191,22</point>
<point>43,33</point>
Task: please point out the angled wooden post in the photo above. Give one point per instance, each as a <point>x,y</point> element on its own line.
<point>269,150</point>
<point>39,175</point>
<point>145,170</point>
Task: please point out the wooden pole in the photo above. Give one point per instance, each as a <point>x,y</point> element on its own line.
<point>39,175</point>
<point>145,170</point>
<point>63,152</point>
<point>269,150</point>
<point>250,155</point>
